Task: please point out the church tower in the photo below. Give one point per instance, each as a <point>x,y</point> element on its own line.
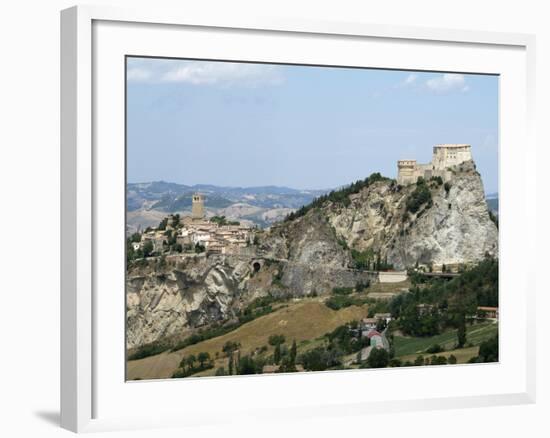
<point>197,211</point>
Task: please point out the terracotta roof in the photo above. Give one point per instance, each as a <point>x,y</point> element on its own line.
<point>373,333</point>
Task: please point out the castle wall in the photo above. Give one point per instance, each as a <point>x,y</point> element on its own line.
<point>444,156</point>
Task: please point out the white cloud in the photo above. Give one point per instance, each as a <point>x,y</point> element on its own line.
<point>138,74</point>
<point>204,72</point>
<point>411,79</point>
<point>447,82</point>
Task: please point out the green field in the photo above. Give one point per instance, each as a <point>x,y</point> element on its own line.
<point>475,335</point>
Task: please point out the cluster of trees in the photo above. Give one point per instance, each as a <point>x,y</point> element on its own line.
<point>222,220</point>
<point>436,304</point>
<point>149,349</point>
<point>369,261</point>
<point>488,351</point>
<point>192,364</point>
<point>420,196</point>
<point>339,197</point>
<point>146,250</point>
<point>254,363</point>
<point>342,341</point>
<point>378,358</point>
<point>337,302</point>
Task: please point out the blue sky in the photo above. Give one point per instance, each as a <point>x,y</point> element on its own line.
<point>243,124</point>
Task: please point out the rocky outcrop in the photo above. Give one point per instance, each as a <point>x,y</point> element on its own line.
<point>172,300</point>
<point>455,228</point>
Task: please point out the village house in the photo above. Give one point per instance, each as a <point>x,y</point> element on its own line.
<point>367,324</point>
<point>487,312</point>
<point>375,339</point>
<point>386,317</point>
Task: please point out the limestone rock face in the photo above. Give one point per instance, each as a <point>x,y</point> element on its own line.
<point>456,228</point>
<point>173,300</point>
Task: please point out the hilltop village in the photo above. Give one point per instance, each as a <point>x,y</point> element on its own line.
<point>195,234</point>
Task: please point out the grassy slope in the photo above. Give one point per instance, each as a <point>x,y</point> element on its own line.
<point>307,319</point>
<point>475,335</point>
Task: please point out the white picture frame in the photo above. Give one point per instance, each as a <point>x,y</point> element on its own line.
<point>91,37</point>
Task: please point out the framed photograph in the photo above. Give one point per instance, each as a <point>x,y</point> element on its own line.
<point>253,209</point>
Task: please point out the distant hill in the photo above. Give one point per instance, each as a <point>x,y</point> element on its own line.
<point>260,206</point>
<point>492,202</point>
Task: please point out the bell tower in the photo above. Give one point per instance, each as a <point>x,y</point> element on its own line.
<point>197,211</point>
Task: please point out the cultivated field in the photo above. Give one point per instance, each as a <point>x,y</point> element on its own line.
<point>407,347</point>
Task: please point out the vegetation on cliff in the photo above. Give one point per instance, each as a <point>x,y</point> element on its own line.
<point>338,197</point>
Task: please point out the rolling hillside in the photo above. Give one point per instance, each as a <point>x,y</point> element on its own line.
<point>303,320</point>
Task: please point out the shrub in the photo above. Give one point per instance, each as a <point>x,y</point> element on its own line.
<point>378,358</point>
<point>147,350</point>
<point>420,196</point>
<point>342,290</point>
<point>436,348</point>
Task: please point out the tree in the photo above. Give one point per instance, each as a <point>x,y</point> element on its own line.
<point>246,365</point>
<point>229,347</point>
<point>461,331</point>
<point>129,251</point>
<point>162,224</point>
<point>230,364</point>
<point>451,359</point>
<point>148,248</point>
<point>176,220</point>
<point>275,340</point>
<point>488,350</point>
<point>190,361</point>
<point>378,358</point>
<point>394,363</point>
<point>419,361</point>
<point>199,248</point>
<point>202,358</point>
<point>293,351</point>
<point>277,354</point>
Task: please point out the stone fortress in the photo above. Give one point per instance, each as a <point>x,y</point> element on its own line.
<point>444,157</point>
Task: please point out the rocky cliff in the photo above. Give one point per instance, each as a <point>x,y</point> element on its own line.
<point>454,227</point>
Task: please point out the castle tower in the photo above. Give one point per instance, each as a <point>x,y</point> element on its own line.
<point>406,172</point>
<point>448,155</point>
<point>197,211</point>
